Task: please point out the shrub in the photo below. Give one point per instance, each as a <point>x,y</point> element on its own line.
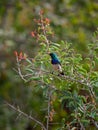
<point>70,99</point>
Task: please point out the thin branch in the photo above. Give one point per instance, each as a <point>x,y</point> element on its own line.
<point>86,83</point>
<point>81,81</point>
<point>18,116</point>
<point>95,123</point>
<point>48,113</point>
<point>44,31</point>
<point>26,115</point>
<point>82,127</point>
<point>19,70</point>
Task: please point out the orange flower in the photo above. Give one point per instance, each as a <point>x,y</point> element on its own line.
<point>20,56</point>
<point>41,12</point>
<point>33,34</point>
<point>16,54</point>
<point>47,21</point>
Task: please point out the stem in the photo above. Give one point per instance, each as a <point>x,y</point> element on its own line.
<point>19,70</point>
<point>44,32</point>
<point>48,114</point>
<point>26,115</point>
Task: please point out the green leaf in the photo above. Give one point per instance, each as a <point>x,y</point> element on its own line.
<point>55,44</point>
<point>30,70</point>
<point>29,61</point>
<point>34,78</point>
<point>82,70</point>
<point>42,37</point>
<point>85,122</point>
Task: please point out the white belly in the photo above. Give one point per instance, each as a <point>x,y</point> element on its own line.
<point>57,67</point>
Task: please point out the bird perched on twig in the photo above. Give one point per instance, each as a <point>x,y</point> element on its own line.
<point>56,63</point>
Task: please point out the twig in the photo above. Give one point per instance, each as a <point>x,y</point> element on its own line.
<point>47,41</point>
<point>83,81</point>
<point>48,113</point>
<point>82,127</point>
<point>19,70</point>
<point>26,115</point>
<point>95,123</point>
<point>18,116</point>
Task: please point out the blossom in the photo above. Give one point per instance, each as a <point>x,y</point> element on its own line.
<point>16,53</point>
<point>20,56</point>
<point>41,12</point>
<point>33,34</point>
<point>47,21</point>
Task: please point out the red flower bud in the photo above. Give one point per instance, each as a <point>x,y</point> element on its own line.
<point>47,21</point>
<point>41,12</point>
<point>33,34</point>
<point>20,56</point>
<point>16,53</point>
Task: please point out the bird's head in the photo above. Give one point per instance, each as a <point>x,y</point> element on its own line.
<point>53,55</point>
<point>54,58</point>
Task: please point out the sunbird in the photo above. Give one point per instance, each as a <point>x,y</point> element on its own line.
<point>56,63</point>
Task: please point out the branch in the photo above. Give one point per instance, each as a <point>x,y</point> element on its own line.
<point>48,114</point>
<point>65,77</point>
<point>84,82</point>
<point>47,41</point>
<point>26,115</point>
<point>95,123</point>
<point>19,70</point>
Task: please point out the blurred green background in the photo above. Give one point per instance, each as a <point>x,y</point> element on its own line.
<point>71,20</point>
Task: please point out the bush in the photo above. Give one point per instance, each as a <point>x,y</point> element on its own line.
<point>68,99</point>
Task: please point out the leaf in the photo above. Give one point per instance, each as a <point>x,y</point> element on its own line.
<point>96,59</point>
<point>85,122</point>
<point>43,44</point>
<point>81,110</point>
<point>33,78</point>
<point>93,63</point>
<point>42,37</point>
<point>30,70</point>
<point>28,61</point>
<point>82,70</point>
<point>55,44</point>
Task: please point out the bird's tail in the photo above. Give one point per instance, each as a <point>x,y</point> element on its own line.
<point>62,73</point>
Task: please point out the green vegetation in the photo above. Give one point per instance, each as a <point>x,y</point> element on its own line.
<point>30,84</point>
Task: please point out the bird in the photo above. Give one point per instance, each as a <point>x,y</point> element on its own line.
<point>56,63</point>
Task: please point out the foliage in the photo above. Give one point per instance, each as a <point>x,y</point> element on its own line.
<point>72,21</point>
<point>72,96</point>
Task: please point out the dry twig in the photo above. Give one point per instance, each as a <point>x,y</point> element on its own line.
<point>26,115</point>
